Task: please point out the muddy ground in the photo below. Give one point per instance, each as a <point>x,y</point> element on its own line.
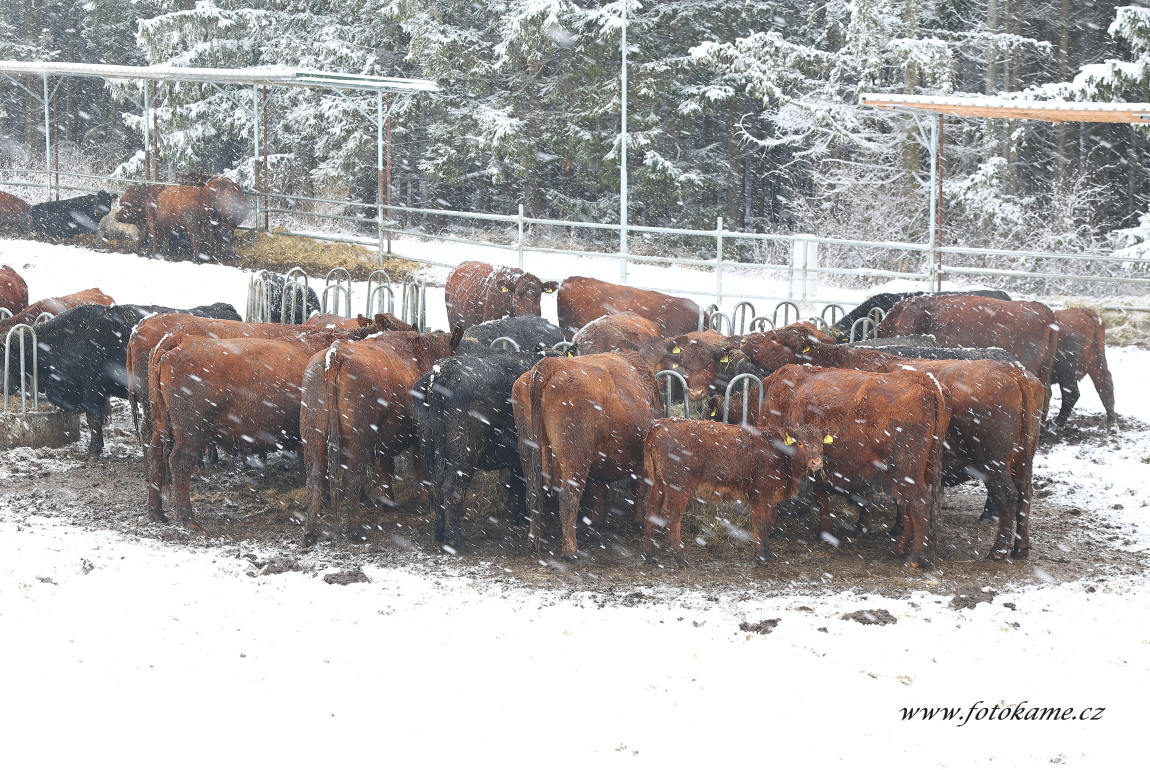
<point>257,512</point>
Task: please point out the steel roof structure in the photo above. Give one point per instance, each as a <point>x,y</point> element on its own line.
<point>259,76</point>
<point>1012,109</point>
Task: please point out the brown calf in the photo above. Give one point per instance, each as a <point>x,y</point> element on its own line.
<point>13,290</point>
<point>478,292</point>
<point>581,300</point>
<point>686,459</point>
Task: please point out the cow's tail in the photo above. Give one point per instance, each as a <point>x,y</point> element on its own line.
<point>938,440</point>
<point>130,364</point>
<point>333,426</point>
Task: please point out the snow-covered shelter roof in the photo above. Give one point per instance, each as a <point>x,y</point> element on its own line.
<point>1017,109</point>
<point>269,76</point>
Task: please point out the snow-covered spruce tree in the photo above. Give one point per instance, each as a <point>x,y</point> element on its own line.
<point>318,141</point>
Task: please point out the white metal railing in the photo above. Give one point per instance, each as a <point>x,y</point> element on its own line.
<point>798,268</point>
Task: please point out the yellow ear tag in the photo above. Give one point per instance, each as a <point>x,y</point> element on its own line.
<point>828,439</point>
<point>676,349</point>
<point>714,412</point>
<point>807,349</point>
<point>505,290</point>
<point>570,354</point>
<point>787,439</point>
<point>674,366</point>
<point>725,360</point>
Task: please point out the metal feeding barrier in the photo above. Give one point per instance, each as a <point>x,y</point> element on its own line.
<point>337,284</point>
<point>293,297</point>
<point>836,312</point>
<point>749,380</point>
<point>715,322</point>
<point>413,302</point>
<point>705,316</point>
<point>45,316</point>
<point>380,294</point>
<point>668,399</point>
<point>504,343</point>
<point>741,317</point>
<point>761,323</point>
<point>786,308</point>
<point>5,313</point>
<point>26,334</point>
<point>862,328</point>
<point>564,347</point>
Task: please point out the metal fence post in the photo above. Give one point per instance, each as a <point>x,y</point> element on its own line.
<point>719,260</point>
<point>519,243</point>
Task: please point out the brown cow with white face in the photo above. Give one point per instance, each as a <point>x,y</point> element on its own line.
<point>478,292</point>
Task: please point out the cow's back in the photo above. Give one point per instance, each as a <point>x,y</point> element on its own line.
<point>581,300</point>
<point>13,290</point>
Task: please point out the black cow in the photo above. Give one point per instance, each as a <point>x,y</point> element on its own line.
<point>463,415</point>
<point>297,315</point>
<point>69,217</point>
<point>82,353</point>
<point>841,330</point>
<point>530,332</point>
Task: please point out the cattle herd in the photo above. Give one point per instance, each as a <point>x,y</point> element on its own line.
<point>954,387</point>
<point>197,218</point>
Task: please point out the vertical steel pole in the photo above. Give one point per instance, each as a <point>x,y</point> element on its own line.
<point>155,136</point>
<point>519,246</point>
<point>719,262</point>
<point>264,138</point>
<point>379,172</point>
<point>935,267</point>
<point>56,136</point>
<point>148,130</point>
<point>47,145</point>
<point>623,157</point>
<point>387,180</point>
<point>256,150</point>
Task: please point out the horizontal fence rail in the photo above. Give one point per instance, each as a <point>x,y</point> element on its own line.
<point>795,266</point>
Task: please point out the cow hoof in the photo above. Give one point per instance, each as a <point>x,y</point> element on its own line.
<point>571,558</point>
<point>1020,553</point>
<point>310,540</point>
<point>987,518</point>
<point>998,554</point>
<point>916,562</point>
<point>681,561</point>
<point>764,557</point>
<point>357,535</point>
<point>157,517</point>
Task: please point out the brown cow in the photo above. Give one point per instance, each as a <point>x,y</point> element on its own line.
<point>581,420</point>
<point>55,306</point>
<point>701,356</point>
<point>1028,330</point>
<point>888,431</point>
<point>187,208</point>
<point>1082,351</point>
<point>13,290</point>
<point>11,209</point>
<point>993,432</point>
<point>357,405</point>
<point>620,331</point>
<point>138,207</point>
<point>478,292</point>
<point>581,300</point>
<point>229,208</point>
<point>686,459</point>
<point>240,393</point>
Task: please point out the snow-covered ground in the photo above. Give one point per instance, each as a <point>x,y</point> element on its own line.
<point>133,652</point>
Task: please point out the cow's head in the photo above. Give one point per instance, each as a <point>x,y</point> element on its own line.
<point>103,203</point>
<point>696,357</point>
<point>803,445</point>
<point>522,293</point>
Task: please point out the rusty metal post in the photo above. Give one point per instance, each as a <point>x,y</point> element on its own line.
<point>264,136</point>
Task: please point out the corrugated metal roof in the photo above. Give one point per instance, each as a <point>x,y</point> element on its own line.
<point>1016,109</point>
<point>272,76</point>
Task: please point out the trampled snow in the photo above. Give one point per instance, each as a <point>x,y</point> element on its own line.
<point>134,653</point>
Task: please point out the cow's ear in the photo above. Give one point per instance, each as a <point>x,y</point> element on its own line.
<point>550,287</point>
